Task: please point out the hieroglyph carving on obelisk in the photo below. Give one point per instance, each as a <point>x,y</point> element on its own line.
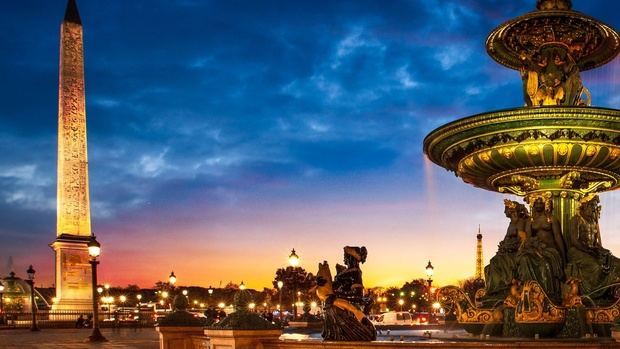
<point>73,202</point>
<point>73,271</point>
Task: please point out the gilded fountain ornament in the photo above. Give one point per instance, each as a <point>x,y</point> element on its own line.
<point>551,273</point>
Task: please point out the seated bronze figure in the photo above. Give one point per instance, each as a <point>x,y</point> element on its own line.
<point>345,307</point>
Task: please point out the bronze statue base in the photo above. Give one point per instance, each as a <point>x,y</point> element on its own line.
<point>531,315</point>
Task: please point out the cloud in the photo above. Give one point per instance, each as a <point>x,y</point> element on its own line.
<point>355,41</point>
<point>452,55</point>
<point>405,78</point>
<point>239,105</point>
<point>22,173</point>
<point>24,186</point>
<point>152,165</point>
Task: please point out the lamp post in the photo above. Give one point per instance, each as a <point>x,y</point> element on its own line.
<point>172,279</point>
<point>94,249</point>
<point>210,290</point>
<point>1,298</point>
<point>164,297</point>
<point>33,305</point>
<point>1,303</point>
<point>429,273</point>
<point>293,260</point>
<point>280,285</point>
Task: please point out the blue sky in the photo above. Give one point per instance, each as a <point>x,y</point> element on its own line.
<point>224,133</point>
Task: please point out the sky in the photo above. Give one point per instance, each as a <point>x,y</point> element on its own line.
<point>222,134</point>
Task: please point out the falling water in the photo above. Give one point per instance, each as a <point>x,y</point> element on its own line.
<point>429,183</point>
<point>603,83</point>
<point>9,266</point>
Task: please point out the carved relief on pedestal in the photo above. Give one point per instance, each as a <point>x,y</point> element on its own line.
<point>75,273</point>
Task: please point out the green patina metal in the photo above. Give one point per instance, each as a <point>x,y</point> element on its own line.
<point>180,316</point>
<point>557,153</point>
<point>243,318</point>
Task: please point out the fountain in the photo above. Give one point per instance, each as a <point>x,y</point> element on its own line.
<point>551,275</point>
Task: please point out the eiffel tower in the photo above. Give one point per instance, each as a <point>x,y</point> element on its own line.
<point>479,274</point>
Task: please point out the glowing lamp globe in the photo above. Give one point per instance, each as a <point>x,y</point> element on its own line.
<point>429,269</point>
<point>293,258</point>
<point>94,248</point>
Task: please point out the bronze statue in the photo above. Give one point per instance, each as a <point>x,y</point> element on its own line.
<point>501,271</point>
<point>594,265</point>
<point>542,255</point>
<point>345,307</point>
<point>551,77</point>
<point>546,5</point>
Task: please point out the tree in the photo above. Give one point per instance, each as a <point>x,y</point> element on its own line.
<point>133,288</point>
<point>470,286</point>
<point>231,286</point>
<point>295,279</point>
<point>162,285</point>
<point>417,291</point>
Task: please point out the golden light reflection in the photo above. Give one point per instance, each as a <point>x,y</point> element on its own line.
<point>73,205</point>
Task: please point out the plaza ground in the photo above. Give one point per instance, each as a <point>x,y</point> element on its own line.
<point>145,338</point>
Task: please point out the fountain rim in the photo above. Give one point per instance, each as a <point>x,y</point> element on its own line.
<point>501,116</point>
<point>510,60</point>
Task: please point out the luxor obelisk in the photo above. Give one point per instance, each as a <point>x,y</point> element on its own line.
<point>73,287</point>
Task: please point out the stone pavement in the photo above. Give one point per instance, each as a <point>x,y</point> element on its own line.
<point>144,338</point>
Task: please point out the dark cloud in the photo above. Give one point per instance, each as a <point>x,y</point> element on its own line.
<point>193,101</point>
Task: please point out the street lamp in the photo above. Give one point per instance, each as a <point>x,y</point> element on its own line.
<point>210,290</point>
<point>164,297</point>
<point>1,298</point>
<point>280,285</point>
<point>242,286</point>
<point>293,259</point>
<point>184,292</point>
<point>172,279</point>
<point>401,302</point>
<point>33,305</point>
<point>94,249</point>
<point>429,273</point>
<point>109,301</point>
